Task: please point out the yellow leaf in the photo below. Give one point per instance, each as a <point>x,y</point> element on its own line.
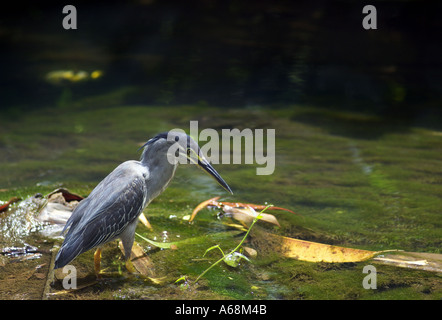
<point>309,251</point>
<point>140,260</point>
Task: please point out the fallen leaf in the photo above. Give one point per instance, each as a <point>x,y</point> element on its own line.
<point>307,250</point>
<point>159,281</point>
<point>140,260</point>
<point>67,195</point>
<point>236,205</point>
<point>251,205</point>
<point>201,206</point>
<point>247,215</point>
<point>413,260</point>
<point>5,206</point>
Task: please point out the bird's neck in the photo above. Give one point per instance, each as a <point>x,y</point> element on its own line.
<point>161,172</point>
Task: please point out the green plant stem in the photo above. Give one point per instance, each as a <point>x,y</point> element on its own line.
<point>237,247</point>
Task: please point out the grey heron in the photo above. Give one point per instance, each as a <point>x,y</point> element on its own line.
<point>112,209</point>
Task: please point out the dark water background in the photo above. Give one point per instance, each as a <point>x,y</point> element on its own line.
<point>229,53</point>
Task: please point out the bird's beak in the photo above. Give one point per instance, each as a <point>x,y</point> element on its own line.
<point>206,166</point>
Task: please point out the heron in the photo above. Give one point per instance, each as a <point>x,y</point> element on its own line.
<point>112,209</point>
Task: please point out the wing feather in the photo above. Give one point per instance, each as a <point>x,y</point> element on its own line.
<point>116,202</point>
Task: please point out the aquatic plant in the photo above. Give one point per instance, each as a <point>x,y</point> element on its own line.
<point>233,257</point>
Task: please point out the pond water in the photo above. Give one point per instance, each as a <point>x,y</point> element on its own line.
<point>358,160</point>
<point>376,193</point>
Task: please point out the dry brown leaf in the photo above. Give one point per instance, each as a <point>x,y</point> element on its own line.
<point>246,215</point>
<point>226,206</point>
<point>5,206</point>
<point>140,260</point>
<point>201,206</point>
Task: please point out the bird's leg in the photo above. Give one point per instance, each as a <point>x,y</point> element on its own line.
<point>127,256</point>
<point>97,262</point>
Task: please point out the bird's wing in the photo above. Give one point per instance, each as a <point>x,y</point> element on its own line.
<point>76,215</point>
<point>112,205</point>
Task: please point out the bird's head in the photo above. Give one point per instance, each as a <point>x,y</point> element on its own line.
<point>179,148</point>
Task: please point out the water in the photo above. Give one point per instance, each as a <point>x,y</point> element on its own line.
<point>357,147</point>
<point>374,194</point>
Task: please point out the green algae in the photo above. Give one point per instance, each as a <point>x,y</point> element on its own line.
<point>354,180</point>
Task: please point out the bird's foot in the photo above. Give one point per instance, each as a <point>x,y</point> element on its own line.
<point>130,267</point>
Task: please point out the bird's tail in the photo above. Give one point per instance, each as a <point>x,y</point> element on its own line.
<point>66,254</point>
